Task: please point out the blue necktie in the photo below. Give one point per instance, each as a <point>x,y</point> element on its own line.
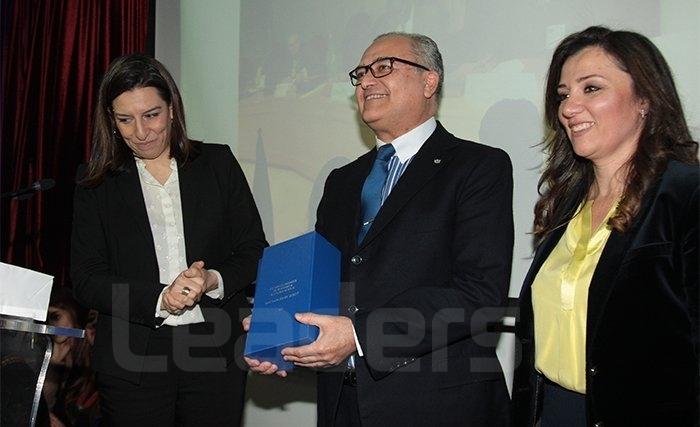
<point>371,198</point>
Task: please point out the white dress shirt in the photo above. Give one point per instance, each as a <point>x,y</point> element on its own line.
<point>406,146</point>
<point>164,209</point>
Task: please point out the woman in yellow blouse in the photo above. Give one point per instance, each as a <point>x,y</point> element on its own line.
<point>609,309</point>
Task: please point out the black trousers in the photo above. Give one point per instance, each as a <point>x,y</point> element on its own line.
<point>485,405</point>
<point>562,407</point>
<point>181,385</point>
<point>348,414</point>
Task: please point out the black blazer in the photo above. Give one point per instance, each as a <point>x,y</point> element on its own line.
<point>432,269</point>
<point>642,324</point>
<point>113,261</point>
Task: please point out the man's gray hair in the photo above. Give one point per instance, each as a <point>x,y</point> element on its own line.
<point>426,51</point>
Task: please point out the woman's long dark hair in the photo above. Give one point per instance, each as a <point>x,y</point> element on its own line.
<point>566,179</point>
<point>109,152</point>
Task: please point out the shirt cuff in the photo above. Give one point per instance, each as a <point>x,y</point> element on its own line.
<point>217,293</point>
<point>357,343</point>
<point>163,314</point>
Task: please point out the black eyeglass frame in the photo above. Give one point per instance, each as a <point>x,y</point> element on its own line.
<point>356,81</point>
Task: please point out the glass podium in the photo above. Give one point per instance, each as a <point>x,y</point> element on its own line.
<point>25,352</point>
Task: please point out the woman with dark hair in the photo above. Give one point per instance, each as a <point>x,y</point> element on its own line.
<point>609,309</point>
<point>69,387</point>
<point>152,210</point>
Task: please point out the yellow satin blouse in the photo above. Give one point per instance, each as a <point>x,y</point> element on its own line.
<point>560,300</point>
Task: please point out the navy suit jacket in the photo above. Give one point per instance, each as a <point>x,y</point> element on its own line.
<point>113,261</point>
<point>420,288</point>
<point>642,322</point>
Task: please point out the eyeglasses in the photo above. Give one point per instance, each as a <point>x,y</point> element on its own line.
<point>382,67</point>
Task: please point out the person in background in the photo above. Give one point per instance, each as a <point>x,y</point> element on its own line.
<point>69,387</point>
<point>425,228</point>
<point>609,309</point>
<point>165,237</point>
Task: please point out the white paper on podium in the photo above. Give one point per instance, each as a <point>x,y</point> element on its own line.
<point>24,292</point>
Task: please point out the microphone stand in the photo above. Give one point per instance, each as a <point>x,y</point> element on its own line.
<point>28,192</point>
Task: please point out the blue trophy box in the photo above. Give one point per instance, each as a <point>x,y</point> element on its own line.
<point>296,276</point>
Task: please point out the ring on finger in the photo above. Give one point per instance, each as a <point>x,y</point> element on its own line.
<point>185,291</point>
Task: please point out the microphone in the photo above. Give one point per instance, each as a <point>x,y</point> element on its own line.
<point>25,193</point>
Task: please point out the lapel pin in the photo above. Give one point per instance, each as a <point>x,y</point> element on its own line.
<point>437,161</point>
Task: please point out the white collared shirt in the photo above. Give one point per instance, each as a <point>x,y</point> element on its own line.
<point>408,144</point>
<point>164,209</point>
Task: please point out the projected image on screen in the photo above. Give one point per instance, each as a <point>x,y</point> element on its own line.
<point>297,113</point>
<point>290,114</point>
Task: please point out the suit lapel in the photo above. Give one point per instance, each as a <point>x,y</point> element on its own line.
<point>603,278</point>
<point>433,156</point>
<point>353,191</point>
<point>541,254</point>
<point>190,176</point>
<point>129,188</point>
<point>605,274</point>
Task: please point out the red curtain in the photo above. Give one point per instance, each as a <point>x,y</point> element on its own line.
<point>54,53</point>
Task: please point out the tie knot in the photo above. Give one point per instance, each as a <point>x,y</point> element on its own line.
<point>385,152</point>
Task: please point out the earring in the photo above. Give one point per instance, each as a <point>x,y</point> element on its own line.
<point>643,113</point>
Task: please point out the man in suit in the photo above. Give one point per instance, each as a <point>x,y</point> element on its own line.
<point>423,274</point>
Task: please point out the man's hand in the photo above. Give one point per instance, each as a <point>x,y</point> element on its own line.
<point>185,291</point>
<point>263,368</point>
<point>335,342</point>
